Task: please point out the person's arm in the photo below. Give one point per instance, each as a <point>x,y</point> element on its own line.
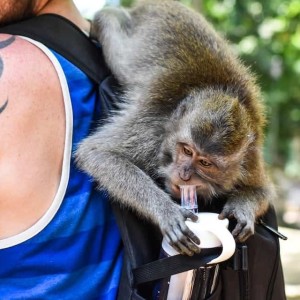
<point>32,129</point>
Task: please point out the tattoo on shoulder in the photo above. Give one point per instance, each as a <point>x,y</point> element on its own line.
<point>2,107</point>
<point>1,66</point>
<point>7,42</point>
<point>4,44</point>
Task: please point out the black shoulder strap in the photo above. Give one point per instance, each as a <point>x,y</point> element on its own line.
<point>165,267</point>
<point>62,36</point>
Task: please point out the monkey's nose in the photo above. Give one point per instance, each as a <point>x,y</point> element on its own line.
<point>185,175</point>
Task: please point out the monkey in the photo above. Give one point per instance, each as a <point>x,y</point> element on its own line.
<point>192,113</point>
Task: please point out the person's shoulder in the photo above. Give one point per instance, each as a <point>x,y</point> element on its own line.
<point>31,94</point>
<point>32,129</point>
<point>30,89</point>
<point>21,59</point>
<point>25,71</point>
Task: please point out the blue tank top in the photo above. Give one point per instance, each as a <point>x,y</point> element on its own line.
<point>74,251</point>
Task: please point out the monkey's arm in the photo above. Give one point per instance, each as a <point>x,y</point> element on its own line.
<point>132,187</point>
<point>246,206</point>
<point>251,196</point>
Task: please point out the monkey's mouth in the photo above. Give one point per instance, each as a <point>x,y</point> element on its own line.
<point>205,190</point>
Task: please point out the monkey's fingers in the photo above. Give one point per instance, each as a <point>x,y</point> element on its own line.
<point>243,231</point>
<point>177,245</point>
<point>184,239</point>
<point>189,214</point>
<point>237,230</point>
<point>245,234</point>
<point>225,214</point>
<point>189,235</point>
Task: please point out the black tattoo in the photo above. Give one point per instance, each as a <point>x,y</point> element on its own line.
<point>7,42</point>
<point>1,66</point>
<point>4,44</point>
<point>3,106</point>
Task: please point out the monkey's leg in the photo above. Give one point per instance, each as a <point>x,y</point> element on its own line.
<point>129,51</point>
<point>111,27</point>
<point>132,187</point>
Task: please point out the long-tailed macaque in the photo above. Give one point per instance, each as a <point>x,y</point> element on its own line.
<point>192,115</point>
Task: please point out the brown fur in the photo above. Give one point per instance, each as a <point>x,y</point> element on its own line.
<point>183,86</point>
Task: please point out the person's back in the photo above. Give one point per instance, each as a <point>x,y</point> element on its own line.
<point>58,238</point>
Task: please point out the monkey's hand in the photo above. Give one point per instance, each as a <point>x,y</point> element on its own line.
<point>245,217</point>
<point>177,233</point>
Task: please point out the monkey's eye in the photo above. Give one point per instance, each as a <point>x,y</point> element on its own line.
<point>187,151</point>
<point>205,163</point>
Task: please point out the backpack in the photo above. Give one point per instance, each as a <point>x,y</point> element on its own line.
<point>253,273</point>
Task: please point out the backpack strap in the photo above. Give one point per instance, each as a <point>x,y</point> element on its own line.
<point>168,266</point>
<point>62,36</point>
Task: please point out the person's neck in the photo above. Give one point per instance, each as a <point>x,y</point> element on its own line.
<point>66,9</point>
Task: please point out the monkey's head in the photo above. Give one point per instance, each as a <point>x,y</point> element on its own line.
<point>206,141</point>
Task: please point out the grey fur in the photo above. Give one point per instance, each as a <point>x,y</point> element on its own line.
<point>175,68</point>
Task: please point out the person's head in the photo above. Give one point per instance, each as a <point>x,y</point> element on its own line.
<point>16,10</point>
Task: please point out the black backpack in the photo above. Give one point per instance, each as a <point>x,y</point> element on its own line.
<point>253,273</point>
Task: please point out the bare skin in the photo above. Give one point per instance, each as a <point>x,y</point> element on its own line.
<point>32,122</point>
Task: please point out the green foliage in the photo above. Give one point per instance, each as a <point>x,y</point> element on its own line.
<point>126,3</point>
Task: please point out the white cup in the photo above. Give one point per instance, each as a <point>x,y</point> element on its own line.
<point>212,233</point>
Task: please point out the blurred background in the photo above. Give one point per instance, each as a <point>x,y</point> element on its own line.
<point>266,35</point>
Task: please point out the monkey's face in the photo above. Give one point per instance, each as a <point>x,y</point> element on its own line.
<point>205,145</point>
<point>213,175</point>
